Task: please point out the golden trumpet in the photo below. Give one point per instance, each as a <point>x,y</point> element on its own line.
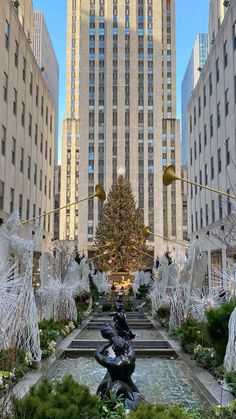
<point>99,193</point>
<point>169,176</point>
<point>147,232</point>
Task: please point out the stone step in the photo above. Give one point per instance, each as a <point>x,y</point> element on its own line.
<point>166,352</point>
<point>131,324</point>
<point>136,344</point>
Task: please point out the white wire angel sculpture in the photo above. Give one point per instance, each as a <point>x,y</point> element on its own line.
<point>66,281</point>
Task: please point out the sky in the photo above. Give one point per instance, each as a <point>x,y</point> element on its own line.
<point>191,19</point>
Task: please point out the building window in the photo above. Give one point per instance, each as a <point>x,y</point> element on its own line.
<point>42,105</point>
<point>200,143</point>
<point>226,103</point>
<point>234,35</point>
<point>36,134</point>
<point>213,210</point>
<point>218,115</point>
<point>31,83</point>
<point>24,69</point>
<point>1,195</point>
<point>199,106</point>
<point>212,167</point>
<point>45,185</point>
<point>29,167</point>
<point>30,124</point>
<point>225,54</point>
<point>229,207</point>
<point>207,216</point>
<point>210,84</point>
<point>217,71</point>
<point>11,200</point>
<point>14,101</point>
<point>195,150</point>
<point>13,151</point>
<point>41,143</point>
<point>22,160</point>
<point>194,115</point>
<point>40,180</point>
<point>16,53</point>
<point>5,86</point>
<point>211,125</point>
<point>23,115</point>
<point>3,140</point>
<point>27,209</point>
<point>220,207</point>
<point>219,160</point>
<point>37,95</point>
<point>35,174</point>
<point>204,96</point>
<point>7,33</point>
<point>190,124</point>
<point>206,177</point>
<point>205,135</point>
<point>227,152</point>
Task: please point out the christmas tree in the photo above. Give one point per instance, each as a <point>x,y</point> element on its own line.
<point>119,239</point>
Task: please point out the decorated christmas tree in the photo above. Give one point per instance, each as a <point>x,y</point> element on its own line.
<point>119,239</point>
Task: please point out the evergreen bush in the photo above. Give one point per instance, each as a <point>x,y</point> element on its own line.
<point>65,400</point>
<point>217,328</point>
<point>190,334</point>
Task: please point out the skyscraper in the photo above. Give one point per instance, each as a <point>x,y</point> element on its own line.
<point>47,61</point>
<point>192,73</point>
<point>120,113</point>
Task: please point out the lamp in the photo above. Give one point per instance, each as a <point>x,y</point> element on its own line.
<point>148,232</point>
<point>99,193</point>
<point>226,3</point>
<point>16,4</point>
<point>169,176</point>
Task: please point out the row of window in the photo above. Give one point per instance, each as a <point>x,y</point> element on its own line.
<point>24,77</point>
<point>47,153</point>
<point>12,205</point>
<point>202,219</point>
<point>193,153</point>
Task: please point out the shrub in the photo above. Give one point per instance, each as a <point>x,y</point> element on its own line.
<point>217,328</point>
<point>142,291</point>
<point>147,411</point>
<point>231,381</point>
<point>191,333</point>
<point>128,306</point>
<point>50,332</point>
<point>14,363</point>
<point>66,399</point>
<point>205,357</point>
<point>163,314</point>
<point>107,307</point>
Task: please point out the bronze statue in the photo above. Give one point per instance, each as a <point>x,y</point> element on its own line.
<point>120,321</point>
<point>120,368</point>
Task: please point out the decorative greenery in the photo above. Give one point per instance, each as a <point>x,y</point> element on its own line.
<point>112,406</point>
<point>191,333</point>
<point>147,411</point>
<point>217,328</point>
<point>50,332</point>
<point>205,357</point>
<point>14,363</point>
<point>107,307</point>
<point>163,314</point>
<point>119,231</point>
<point>142,291</point>
<point>67,399</point>
<point>231,381</point>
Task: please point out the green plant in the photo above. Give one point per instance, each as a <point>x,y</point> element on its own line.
<point>107,307</point>
<point>205,357</point>
<point>217,328</point>
<point>128,306</point>
<point>14,363</point>
<point>231,381</point>
<point>112,406</point>
<point>191,333</point>
<point>64,400</point>
<point>147,411</point>
<point>142,292</point>
<point>163,314</point>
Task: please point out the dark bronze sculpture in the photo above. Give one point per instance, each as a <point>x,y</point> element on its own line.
<point>120,321</point>
<point>120,368</point>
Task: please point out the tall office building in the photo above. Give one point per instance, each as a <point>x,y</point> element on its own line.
<point>212,152</point>
<point>47,61</point>
<point>191,76</point>
<point>26,122</point>
<point>120,113</point>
